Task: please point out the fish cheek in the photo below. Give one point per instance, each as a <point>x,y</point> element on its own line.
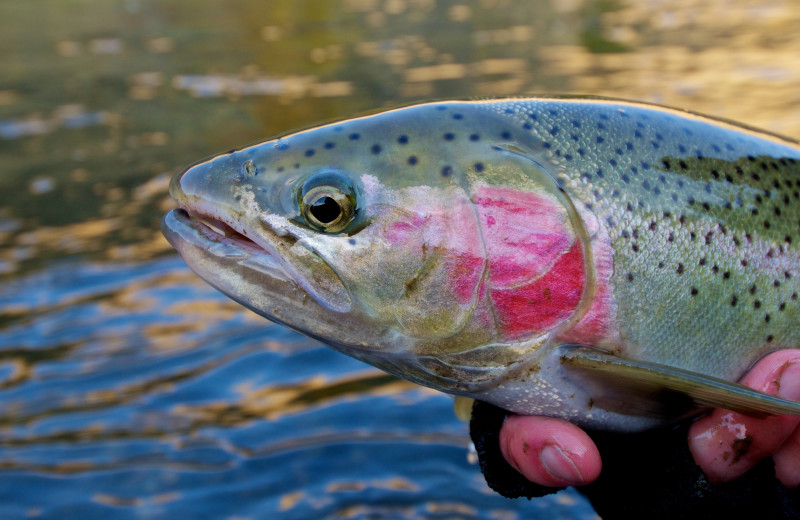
<point>427,264</point>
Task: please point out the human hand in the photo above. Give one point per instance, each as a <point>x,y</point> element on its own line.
<point>725,444</point>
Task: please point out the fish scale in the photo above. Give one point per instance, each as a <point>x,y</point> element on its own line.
<point>612,263</point>
<point>687,205</point>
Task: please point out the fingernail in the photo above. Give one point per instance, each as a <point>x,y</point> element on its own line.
<point>557,463</point>
<point>790,381</point>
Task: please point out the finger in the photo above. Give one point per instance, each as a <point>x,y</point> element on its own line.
<point>727,444</point>
<point>787,461</point>
<point>549,452</point>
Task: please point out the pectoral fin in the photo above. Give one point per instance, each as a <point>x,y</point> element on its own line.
<point>641,388</point>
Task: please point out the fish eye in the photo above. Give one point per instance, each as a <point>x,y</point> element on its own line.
<point>327,203</point>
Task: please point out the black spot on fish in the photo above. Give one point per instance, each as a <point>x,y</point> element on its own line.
<point>757,304</point>
<point>449,136</point>
<point>354,137</point>
<point>478,167</point>
<point>403,139</point>
<point>310,152</point>
<point>352,241</point>
<point>474,137</point>
<point>600,139</point>
<point>734,299</point>
<point>506,135</point>
<point>458,116</point>
<point>693,292</point>
<point>447,171</point>
<point>329,145</point>
<point>630,277</point>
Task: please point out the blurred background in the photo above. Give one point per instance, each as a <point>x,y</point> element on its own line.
<point>129,388</point>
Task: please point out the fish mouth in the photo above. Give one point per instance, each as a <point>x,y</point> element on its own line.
<point>196,236</point>
<point>218,230</point>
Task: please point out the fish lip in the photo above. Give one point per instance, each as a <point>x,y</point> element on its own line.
<point>180,227</point>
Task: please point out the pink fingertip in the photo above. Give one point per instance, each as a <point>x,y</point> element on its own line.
<point>549,452</point>
<point>787,461</point>
<point>727,444</point>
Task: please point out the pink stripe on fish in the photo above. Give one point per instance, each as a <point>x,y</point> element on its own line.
<point>536,265</point>
<point>544,303</point>
<point>524,233</point>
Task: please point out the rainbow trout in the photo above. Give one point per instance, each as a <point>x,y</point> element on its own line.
<point>614,264</point>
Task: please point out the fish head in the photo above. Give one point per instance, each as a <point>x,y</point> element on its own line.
<point>394,241</point>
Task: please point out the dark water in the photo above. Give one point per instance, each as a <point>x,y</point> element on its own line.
<point>130,389</point>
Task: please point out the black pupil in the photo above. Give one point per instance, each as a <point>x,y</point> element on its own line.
<point>325,210</point>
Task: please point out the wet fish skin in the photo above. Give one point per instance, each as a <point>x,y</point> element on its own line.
<point>489,236</point>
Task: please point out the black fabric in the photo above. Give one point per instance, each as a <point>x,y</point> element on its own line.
<point>650,474</point>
